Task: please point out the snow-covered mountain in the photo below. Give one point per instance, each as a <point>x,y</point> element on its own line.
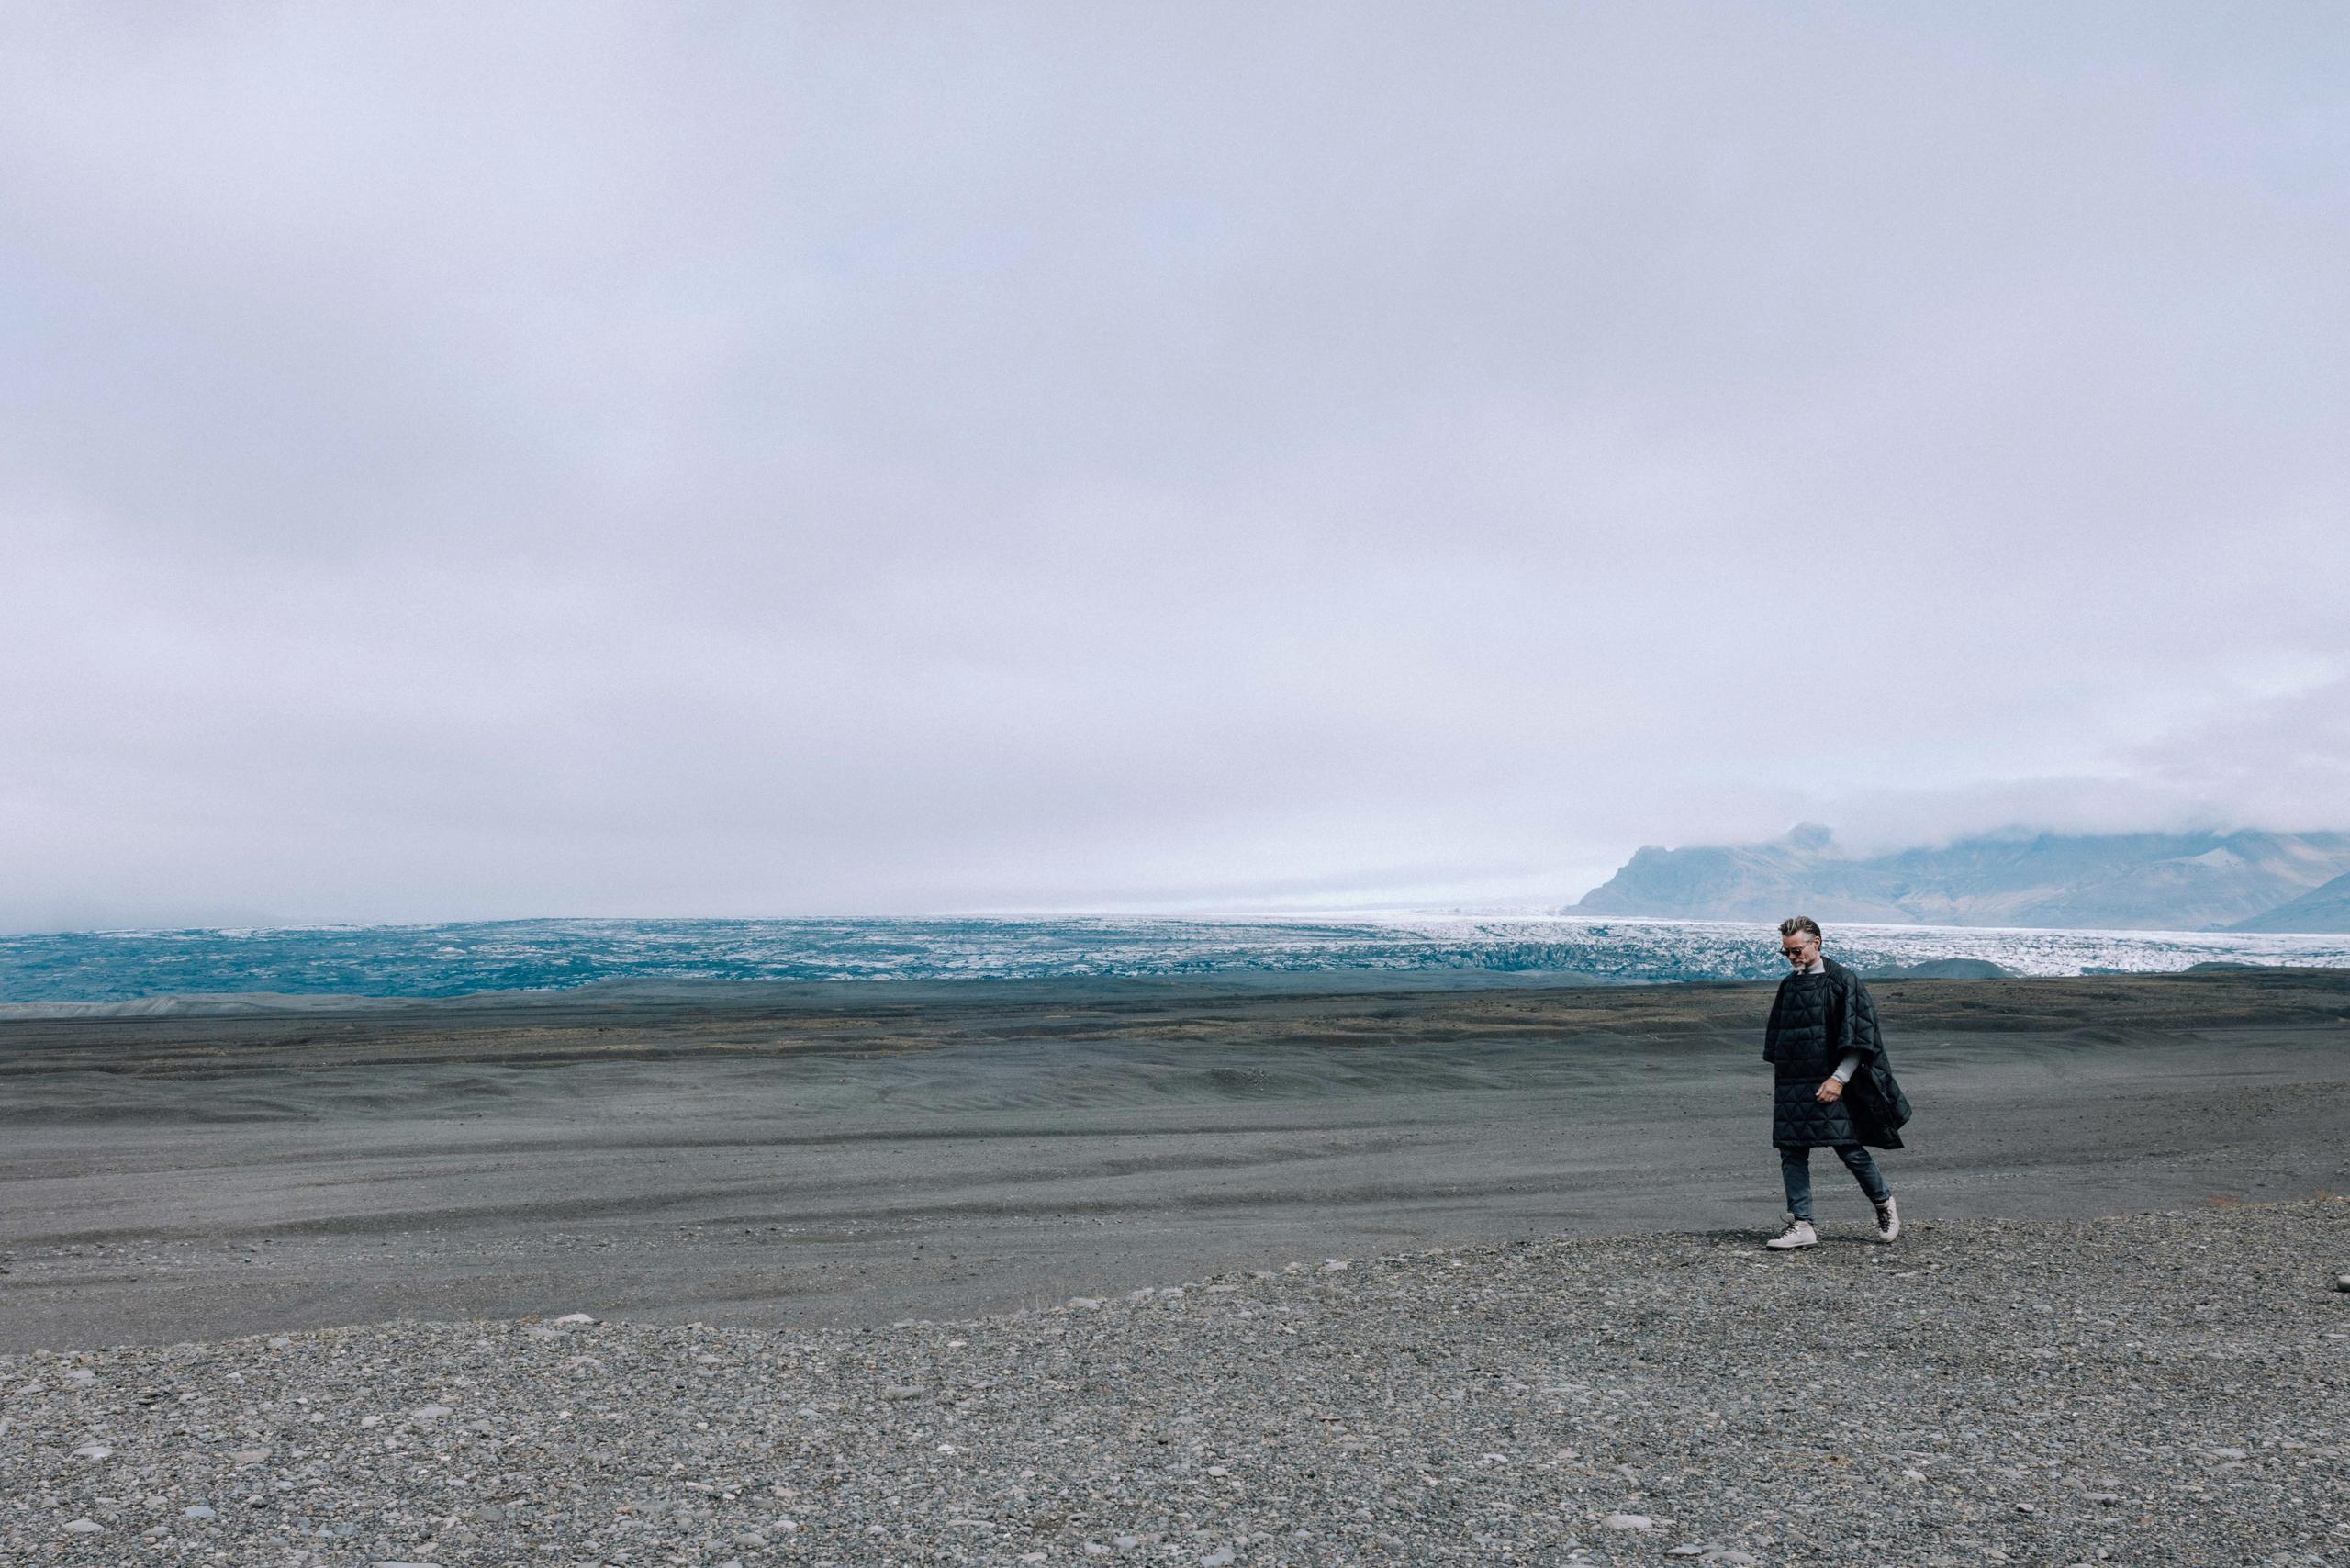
<point>2106,882</point>
<point>2325,908</point>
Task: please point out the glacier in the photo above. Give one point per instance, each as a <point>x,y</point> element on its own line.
<point>465,958</point>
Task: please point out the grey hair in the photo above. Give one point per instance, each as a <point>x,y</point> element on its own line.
<point>1802,923</point>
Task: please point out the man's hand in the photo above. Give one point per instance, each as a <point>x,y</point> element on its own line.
<point>1831,1091</point>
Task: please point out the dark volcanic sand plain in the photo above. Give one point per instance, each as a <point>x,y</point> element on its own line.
<point>774,1156</point>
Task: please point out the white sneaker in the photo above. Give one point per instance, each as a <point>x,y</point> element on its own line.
<point>1889,1220</point>
<point>1798,1234</point>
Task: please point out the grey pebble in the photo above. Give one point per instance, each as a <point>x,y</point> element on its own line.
<point>1495,1401</point>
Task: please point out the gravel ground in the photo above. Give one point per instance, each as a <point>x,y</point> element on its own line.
<point>2162,1388</point>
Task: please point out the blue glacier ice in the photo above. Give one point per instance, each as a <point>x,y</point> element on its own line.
<point>546,954</point>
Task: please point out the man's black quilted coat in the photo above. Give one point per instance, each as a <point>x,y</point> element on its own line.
<point>1815,1020</point>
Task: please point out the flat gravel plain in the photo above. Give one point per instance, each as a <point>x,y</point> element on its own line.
<point>843,1156</point>
<point>2168,1388</point>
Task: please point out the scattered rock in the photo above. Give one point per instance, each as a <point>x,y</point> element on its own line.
<point>93,1451</point>
<point>86,1527</point>
<point>1533,1387</point>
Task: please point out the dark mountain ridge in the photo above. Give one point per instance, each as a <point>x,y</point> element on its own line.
<point>2322,908</point>
<point>2188,881</point>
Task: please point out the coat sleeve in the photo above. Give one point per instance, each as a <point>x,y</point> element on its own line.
<point>1856,1031</point>
<point>1771,1025</point>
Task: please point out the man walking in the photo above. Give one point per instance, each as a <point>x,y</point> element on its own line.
<point>1821,1038</point>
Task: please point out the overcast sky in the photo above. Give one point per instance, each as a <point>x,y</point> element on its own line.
<point>474,461</point>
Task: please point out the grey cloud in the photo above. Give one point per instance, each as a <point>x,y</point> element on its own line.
<point>674,460</point>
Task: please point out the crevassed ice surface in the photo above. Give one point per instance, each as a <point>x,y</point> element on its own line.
<point>538,955</point>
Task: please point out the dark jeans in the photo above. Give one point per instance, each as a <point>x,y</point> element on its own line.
<point>1794,1164</point>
